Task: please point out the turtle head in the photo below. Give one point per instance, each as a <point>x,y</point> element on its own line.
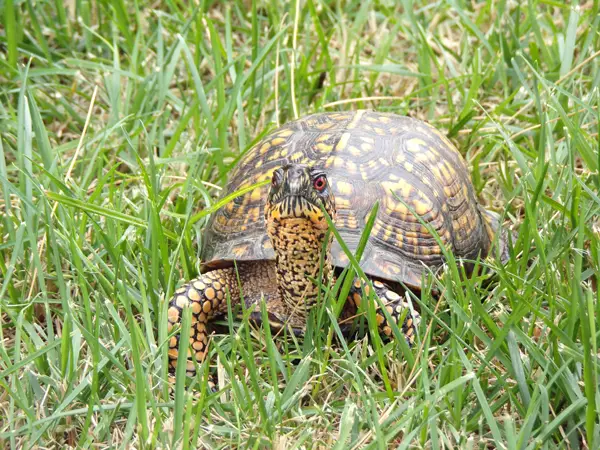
<point>300,193</point>
<point>297,228</point>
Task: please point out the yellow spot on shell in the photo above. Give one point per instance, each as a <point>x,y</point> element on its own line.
<point>344,188</point>
<point>285,133</point>
<point>400,188</point>
<point>239,251</point>
<point>254,213</point>
<point>264,148</point>
<point>256,195</point>
<point>278,141</point>
<point>275,155</point>
<point>324,147</point>
<point>424,157</point>
<point>351,166</point>
<point>445,174</point>
<point>354,151</point>
<point>296,157</point>
<point>414,145</point>
<point>343,142</point>
<point>408,166</point>
<point>450,192</point>
<point>422,207</point>
<point>324,126</point>
<point>357,116</point>
<point>387,234</point>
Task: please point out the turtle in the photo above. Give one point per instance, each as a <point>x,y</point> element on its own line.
<point>273,241</point>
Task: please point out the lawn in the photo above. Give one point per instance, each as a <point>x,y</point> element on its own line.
<point>119,123</point>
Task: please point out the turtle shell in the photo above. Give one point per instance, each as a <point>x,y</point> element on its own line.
<point>404,163</point>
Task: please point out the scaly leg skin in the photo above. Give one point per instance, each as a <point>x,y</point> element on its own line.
<point>393,304</point>
<point>207,298</point>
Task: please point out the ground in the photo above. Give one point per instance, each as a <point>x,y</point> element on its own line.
<point>119,122</point>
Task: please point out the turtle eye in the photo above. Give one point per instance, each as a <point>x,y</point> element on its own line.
<point>320,182</point>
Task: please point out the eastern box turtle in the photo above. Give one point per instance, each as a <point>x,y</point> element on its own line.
<point>342,163</point>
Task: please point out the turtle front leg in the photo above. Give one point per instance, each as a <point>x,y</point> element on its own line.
<point>206,296</point>
<point>393,304</point>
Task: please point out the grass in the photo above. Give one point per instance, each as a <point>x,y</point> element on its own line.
<point>119,122</point>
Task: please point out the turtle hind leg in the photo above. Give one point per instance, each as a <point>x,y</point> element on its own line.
<point>393,304</point>
<point>206,296</point>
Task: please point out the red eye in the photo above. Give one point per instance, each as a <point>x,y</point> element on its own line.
<point>320,183</point>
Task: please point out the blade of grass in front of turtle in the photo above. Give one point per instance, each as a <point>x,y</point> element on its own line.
<point>7,271</point>
<point>11,33</point>
<point>140,378</point>
<point>360,248</point>
<point>223,201</point>
<point>483,403</point>
<point>248,357</point>
<point>590,381</point>
<point>415,410</point>
<point>354,260</point>
<point>201,95</point>
<point>96,209</point>
<point>187,423</point>
<point>357,378</point>
<point>7,187</point>
<point>271,351</point>
<point>346,424</point>
<point>181,374</point>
